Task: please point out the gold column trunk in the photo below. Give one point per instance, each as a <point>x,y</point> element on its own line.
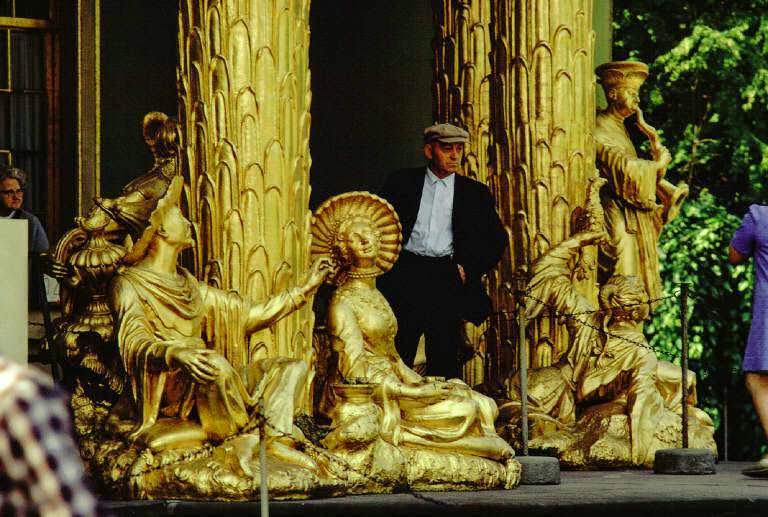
<point>542,144</point>
<point>244,86</point>
<point>462,75</point>
<point>461,93</point>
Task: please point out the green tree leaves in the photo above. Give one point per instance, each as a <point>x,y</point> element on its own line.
<point>708,96</point>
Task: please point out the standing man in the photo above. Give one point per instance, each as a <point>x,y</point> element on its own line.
<point>452,237</point>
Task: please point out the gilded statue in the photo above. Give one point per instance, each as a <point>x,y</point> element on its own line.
<point>184,404</point>
<point>638,201</point>
<point>129,212</point>
<point>85,259</point>
<point>608,401</point>
<point>386,417</point>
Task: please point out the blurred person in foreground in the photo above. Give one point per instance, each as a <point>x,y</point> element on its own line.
<point>41,472</point>
<point>751,240</point>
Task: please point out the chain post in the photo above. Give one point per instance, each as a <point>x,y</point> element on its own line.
<point>264,488</point>
<point>725,422</point>
<point>684,358</point>
<point>522,350</point>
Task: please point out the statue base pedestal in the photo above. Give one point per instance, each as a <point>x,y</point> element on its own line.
<point>682,461</point>
<point>539,470</point>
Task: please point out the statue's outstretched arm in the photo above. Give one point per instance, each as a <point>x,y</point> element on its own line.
<point>551,285</point>
<point>266,314</point>
<point>263,315</point>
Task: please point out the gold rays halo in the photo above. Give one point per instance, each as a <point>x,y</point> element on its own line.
<point>329,216</point>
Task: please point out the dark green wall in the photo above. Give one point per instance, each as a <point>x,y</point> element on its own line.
<point>602,22</point>
<point>371,66</point>
<point>138,74</point>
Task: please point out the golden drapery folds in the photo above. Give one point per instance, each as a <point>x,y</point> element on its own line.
<point>542,156</point>
<point>244,87</point>
<point>639,201</point>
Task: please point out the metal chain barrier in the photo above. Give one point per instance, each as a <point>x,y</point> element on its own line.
<point>555,313</point>
<point>583,313</point>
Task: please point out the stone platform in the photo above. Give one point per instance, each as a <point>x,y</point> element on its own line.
<point>623,493</point>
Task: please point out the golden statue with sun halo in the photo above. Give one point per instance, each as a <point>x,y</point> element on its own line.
<point>388,420</point>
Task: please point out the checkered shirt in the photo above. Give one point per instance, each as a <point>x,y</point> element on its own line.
<point>41,472</point>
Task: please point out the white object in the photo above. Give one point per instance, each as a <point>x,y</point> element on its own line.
<point>14,290</point>
<point>432,234</point>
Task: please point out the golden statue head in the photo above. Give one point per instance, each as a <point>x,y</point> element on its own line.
<point>166,221</point>
<point>625,298</point>
<point>161,134</point>
<point>361,233</point>
<point>621,81</point>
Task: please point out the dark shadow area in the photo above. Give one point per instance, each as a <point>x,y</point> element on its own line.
<point>138,74</point>
<point>371,66</point>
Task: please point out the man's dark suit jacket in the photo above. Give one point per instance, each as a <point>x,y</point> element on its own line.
<point>479,238</point>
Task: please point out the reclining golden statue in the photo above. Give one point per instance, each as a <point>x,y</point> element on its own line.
<point>608,401</point>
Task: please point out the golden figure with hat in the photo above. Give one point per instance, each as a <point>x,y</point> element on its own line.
<point>389,421</point>
<point>184,405</point>
<point>638,200</point>
<point>85,258</point>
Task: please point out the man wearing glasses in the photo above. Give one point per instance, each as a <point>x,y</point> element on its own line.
<point>12,182</point>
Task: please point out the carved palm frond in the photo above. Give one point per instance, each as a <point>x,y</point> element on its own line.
<point>542,118</point>
<point>244,86</point>
<point>519,76</point>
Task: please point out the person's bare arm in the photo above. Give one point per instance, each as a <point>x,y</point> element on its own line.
<point>734,257</point>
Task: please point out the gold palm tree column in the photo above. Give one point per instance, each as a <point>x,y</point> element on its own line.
<point>244,87</point>
<point>542,145</point>
<point>461,94</point>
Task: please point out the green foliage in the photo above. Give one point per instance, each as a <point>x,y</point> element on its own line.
<point>708,89</point>
<point>694,251</point>
<point>707,94</point>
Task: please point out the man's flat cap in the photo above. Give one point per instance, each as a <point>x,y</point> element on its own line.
<point>446,133</point>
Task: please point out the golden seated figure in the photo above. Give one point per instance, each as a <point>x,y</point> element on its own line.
<point>386,417</point>
<point>188,421</point>
<point>608,401</point>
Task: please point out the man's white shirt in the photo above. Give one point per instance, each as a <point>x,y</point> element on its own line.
<point>432,235</point>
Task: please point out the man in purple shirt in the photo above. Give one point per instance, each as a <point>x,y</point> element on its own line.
<point>751,240</point>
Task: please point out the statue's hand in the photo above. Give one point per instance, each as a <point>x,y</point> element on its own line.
<point>435,390</point>
<point>54,268</point>
<point>589,238</point>
<point>320,269</point>
<point>663,160</point>
<point>196,362</point>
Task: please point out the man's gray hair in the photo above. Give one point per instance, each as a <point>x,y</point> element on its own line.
<point>14,174</point>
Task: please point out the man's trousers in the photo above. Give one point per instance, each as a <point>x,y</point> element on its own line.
<point>424,295</point>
